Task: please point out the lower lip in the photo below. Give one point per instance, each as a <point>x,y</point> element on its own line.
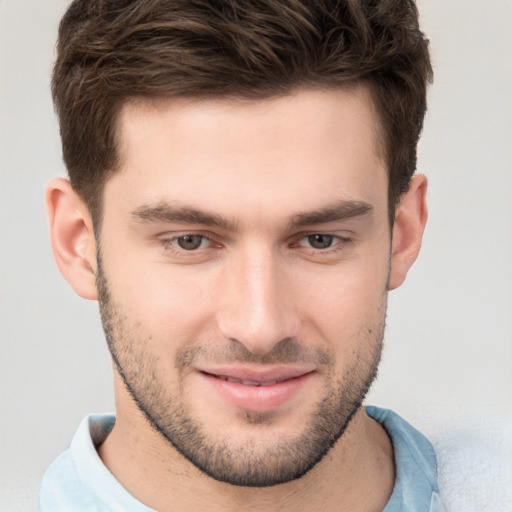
<point>257,398</point>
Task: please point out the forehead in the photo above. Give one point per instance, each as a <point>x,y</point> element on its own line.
<point>308,147</point>
<point>327,106</point>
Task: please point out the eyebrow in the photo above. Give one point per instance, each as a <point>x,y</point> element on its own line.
<point>341,210</point>
<point>165,212</point>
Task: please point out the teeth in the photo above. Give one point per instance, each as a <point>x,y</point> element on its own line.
<point>247,382</point>
<point>250,383</point>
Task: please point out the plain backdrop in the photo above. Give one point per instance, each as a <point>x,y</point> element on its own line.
<point>448,359</point>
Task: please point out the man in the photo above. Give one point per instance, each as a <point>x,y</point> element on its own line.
<point>241,199</point>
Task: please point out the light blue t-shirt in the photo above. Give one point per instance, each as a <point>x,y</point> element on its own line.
<point>78,481</point>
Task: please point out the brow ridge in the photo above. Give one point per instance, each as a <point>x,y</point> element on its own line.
<point>165,212</point>
<point>341,210</point>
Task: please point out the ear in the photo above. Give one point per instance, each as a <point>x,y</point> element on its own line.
<point>72,237</point>
<point>410,219</point>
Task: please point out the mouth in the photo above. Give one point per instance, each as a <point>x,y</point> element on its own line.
<point>235,380</point>
<point>256,389</point>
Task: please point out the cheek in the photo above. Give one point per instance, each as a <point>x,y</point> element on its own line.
<point>343,305</point>
<point>168,305</point>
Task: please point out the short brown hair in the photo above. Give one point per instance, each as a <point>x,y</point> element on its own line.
<point>110,51</point>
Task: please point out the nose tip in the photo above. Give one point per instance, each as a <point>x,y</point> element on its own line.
<point>258,341</point>
<point>258,327</point>
<point>256,309</point>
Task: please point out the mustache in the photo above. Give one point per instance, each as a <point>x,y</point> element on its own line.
<point>286,351</point>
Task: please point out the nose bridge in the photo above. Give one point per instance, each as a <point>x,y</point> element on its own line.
<point>256,310</point>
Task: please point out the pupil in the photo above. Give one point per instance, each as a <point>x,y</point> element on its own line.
<point>320,241</point>
<point>190,242</point>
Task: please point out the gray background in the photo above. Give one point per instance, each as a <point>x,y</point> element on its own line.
<point>448,361</point>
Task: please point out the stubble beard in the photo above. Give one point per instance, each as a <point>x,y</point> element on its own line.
<point>250,462</point>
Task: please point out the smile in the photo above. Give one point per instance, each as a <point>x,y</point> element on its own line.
<point>248,382</point>
<point>254,390</point>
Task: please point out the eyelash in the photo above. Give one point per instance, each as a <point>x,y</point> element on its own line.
<point>339,243</point>
<point>168,243</point>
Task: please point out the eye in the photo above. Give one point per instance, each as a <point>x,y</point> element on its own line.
<point>190,242</point>
<point>323,242</point>
<point>189,247</point>
<point>319,241</point>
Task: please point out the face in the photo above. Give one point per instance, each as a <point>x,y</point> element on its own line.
<point>243,275</point>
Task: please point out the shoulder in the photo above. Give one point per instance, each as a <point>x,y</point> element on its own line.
<point>61,488</point>
<point>78,480</point>
<point>412,449</point>
<point>416,488</point>
<point>469,466</point>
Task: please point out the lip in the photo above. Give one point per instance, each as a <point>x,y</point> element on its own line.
<point>256,389</point>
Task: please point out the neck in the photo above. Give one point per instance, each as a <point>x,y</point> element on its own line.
<point>356,475</point>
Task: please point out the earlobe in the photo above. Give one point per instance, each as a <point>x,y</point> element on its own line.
<point>72,237</point>
<point>410,219</point>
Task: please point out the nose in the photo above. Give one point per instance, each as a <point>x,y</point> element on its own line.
<point>256,307</point>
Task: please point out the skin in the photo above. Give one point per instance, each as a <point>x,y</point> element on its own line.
<point>264,167</point>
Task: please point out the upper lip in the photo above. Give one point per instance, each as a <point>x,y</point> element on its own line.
<point>276,373</point>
